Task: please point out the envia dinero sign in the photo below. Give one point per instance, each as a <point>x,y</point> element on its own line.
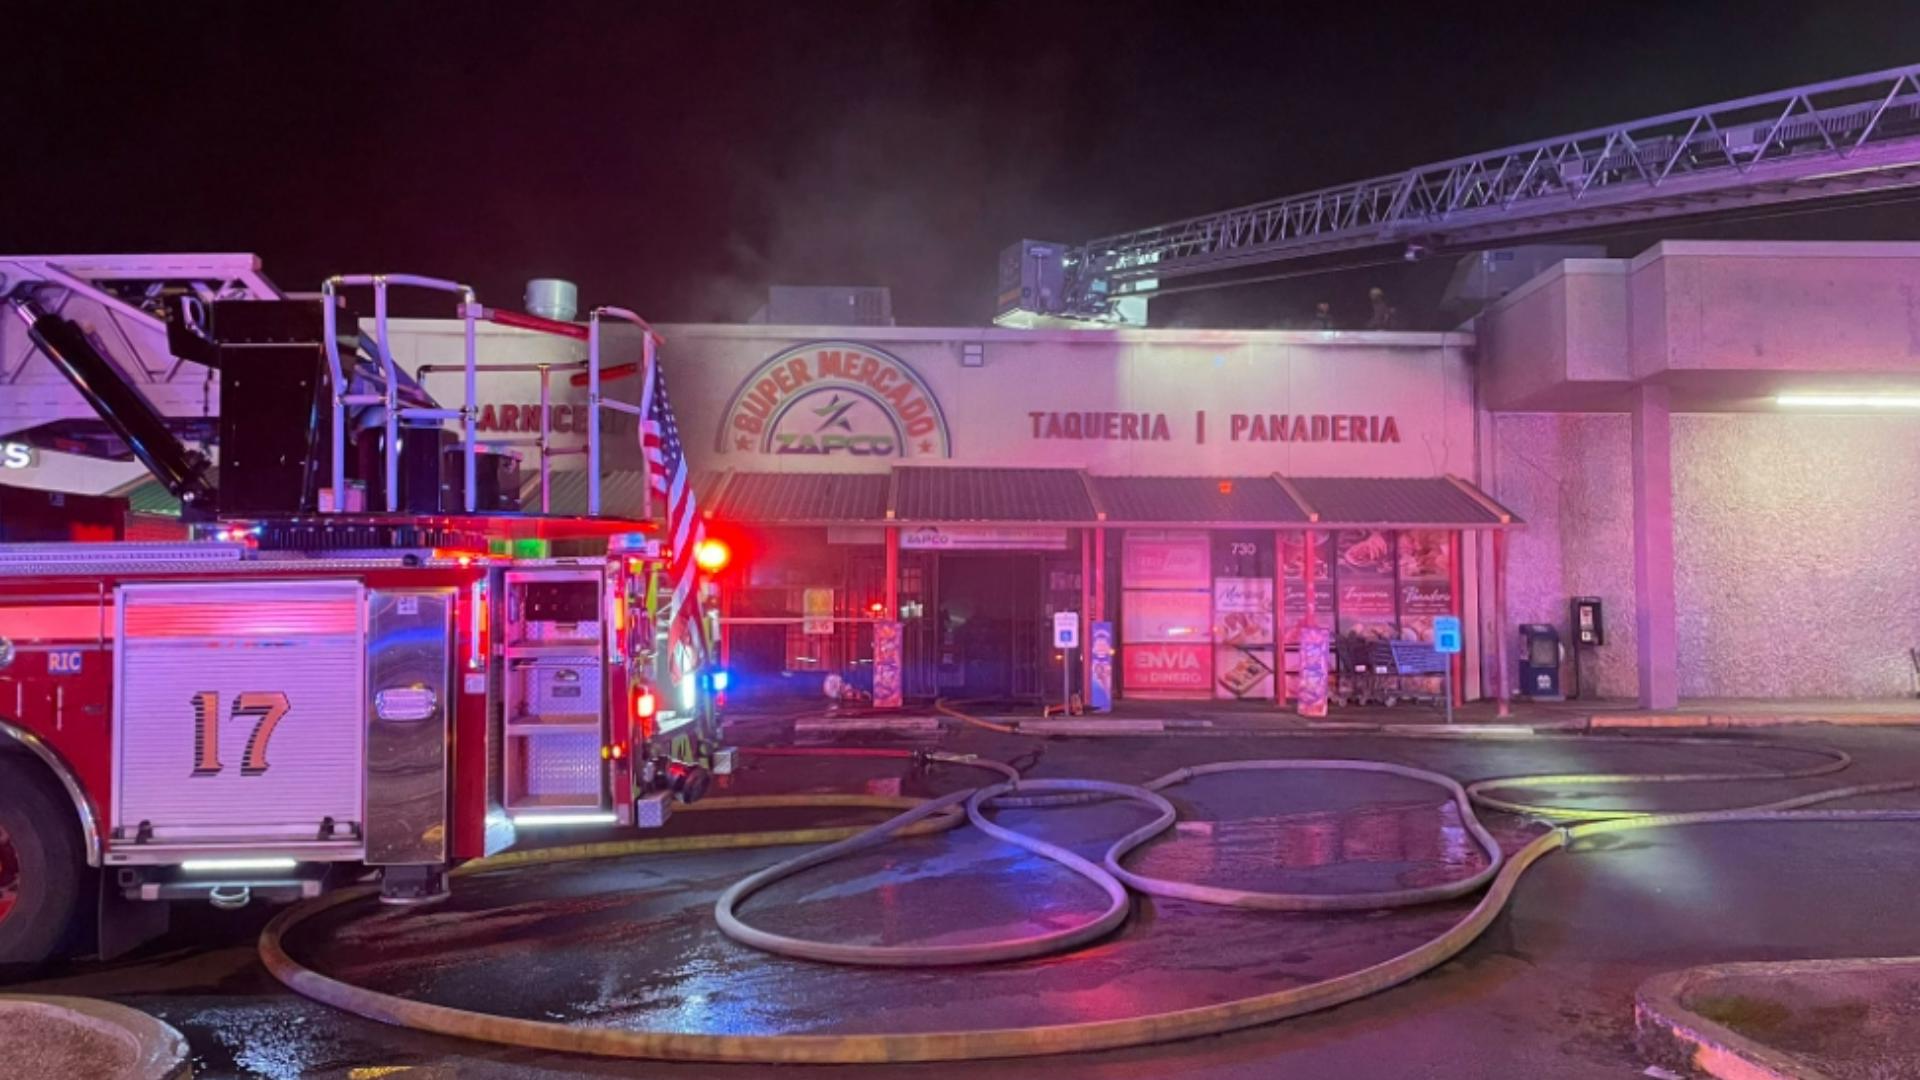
<point>835,399</point>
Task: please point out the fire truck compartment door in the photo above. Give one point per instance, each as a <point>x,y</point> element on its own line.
<point>240,715</point>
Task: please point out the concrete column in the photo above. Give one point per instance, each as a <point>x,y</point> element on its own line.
<point>1653,587</point>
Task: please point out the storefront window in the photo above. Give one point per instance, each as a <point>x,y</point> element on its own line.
<point>1166,615</point>
<point>1370,585</point>
<point>1243,625</point>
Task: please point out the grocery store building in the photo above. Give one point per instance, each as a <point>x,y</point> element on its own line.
<point>1717,441</point>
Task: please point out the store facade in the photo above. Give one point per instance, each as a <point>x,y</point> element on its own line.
<point>1167,484</point>
<point>969,485</point>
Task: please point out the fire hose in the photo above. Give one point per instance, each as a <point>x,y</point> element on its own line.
<point>1499,877</point>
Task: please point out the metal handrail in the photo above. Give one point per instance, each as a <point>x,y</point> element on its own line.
<point>542,442</point>
<point>470,313</point>
<point>649,340</point>
<point>467,414</point>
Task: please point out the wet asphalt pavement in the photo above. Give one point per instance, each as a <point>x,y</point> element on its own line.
<point>1546,992</point>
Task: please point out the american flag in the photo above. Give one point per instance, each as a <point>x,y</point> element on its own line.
<point>667,473</point>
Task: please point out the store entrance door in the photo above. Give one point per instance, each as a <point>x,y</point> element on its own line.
<point>987,642</point>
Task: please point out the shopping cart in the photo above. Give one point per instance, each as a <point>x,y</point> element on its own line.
<point>1406,671</point>
<point>1357,680</point>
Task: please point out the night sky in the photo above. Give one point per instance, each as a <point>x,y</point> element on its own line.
<point>678,158</point>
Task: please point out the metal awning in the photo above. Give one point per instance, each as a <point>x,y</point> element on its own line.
<point>1210,500</point>
<point>797,498</point>
<point>954,495</point>
<point>988,495</point>
<point>1398,502</point>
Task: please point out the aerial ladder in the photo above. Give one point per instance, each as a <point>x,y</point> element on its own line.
<point>1841,140</point>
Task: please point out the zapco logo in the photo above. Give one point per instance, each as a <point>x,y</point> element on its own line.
<point>835,398</point>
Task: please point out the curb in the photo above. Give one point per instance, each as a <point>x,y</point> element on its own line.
<point>1604,721</point>
<point>159,1051</point>
<point>1671,1034</point>
<point>906,725</point>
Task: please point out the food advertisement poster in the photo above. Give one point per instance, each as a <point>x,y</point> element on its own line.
<point>1167,669</point>
<point>1170,560</point>
<point>1366,562</point>
<point>1293,561</point>
<point>1243,655</point>
<point>1425,587</point>
<point>1243,673</point>
<point>1243,611</point>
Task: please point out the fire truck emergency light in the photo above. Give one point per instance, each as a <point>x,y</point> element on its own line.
<point>712,555</point>
<point>645,704</point>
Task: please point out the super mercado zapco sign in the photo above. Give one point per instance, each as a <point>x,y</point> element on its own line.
<point>835,399</point>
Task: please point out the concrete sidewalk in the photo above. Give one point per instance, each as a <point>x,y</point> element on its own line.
<point>1801,1020</point>
<point>1157,717</point>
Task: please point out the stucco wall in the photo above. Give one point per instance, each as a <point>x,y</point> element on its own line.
<point>1567,476</point>
<point>1794,546</point>
<point>1423,381</point>
<point>1796,549</point>
<point>1788,307</point>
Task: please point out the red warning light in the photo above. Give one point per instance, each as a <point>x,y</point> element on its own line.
<point>712,555</point>
<point>1226,487</point>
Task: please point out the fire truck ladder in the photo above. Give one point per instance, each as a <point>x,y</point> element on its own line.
<point>1838,139</point>
<point>120,301</point>
<point>471,313</point>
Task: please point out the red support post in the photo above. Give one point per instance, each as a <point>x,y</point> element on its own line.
<point>1312,542</point>
<point>1086,614</point>
<point>1279,618</point>
<point>1100,571</point>
<point>1502,670</point>
<point>1456,604</point>
<point>893,573</point>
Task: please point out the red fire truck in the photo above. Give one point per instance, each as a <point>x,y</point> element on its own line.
<point>310,691</point>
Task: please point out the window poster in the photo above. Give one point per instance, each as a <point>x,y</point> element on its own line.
<point>1243,638</point>
<point>1293,567</point>
<point>1166,614</point>
<point>1166,560</point>
<point>1426,587</point>
<point>1365,592</point>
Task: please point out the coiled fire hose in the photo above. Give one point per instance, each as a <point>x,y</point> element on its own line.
<point>1500,877</point>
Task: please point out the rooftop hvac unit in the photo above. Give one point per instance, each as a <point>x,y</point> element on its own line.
<point>827,305</point>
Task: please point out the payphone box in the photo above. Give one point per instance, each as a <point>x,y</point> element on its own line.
<point>1588,626</point>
